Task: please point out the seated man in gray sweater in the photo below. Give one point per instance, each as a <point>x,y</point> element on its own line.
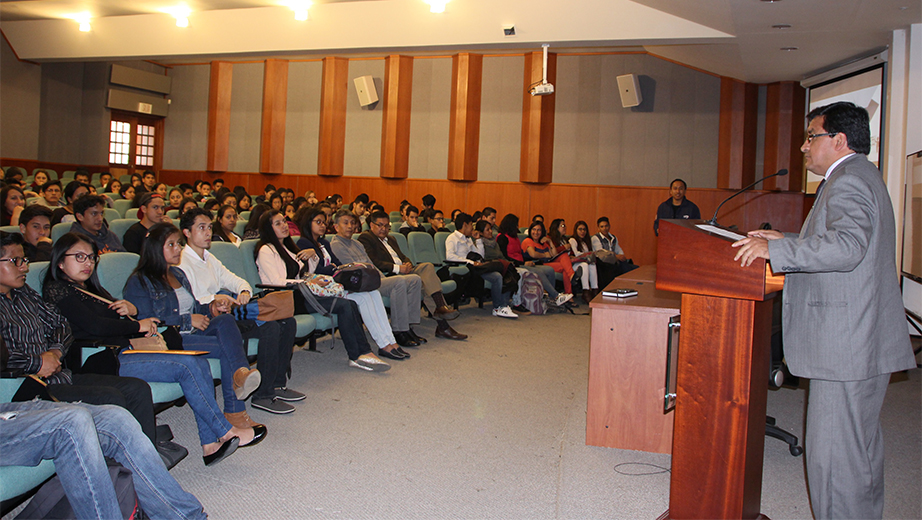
<point>405,292</point>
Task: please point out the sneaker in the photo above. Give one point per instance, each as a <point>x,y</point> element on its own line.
<point>521,309</point>
<point>370,362</point>
<point>577,275</point>
<point>504,312</point>
<point>562,298</point>
<point>287,394</point>
<point>171,453</point>
<point>272,405</point>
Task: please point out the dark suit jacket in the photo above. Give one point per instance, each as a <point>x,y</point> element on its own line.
<point>378,253</point>
<point>843,313</point>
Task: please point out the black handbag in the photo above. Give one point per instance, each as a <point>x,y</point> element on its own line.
<point>358,277</point>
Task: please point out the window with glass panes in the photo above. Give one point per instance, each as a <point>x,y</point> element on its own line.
<point>144,150</point>
<point>119,142</point>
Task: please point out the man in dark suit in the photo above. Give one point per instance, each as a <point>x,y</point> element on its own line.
<point>387,256</point>
<point>843,324</point>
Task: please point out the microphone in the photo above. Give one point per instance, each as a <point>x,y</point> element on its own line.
<point>713,220</point>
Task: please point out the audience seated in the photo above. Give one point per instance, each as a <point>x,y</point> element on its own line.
<point>35,227</point>
<point>509,243</point>
<point>73,191</point>
<point>160,289</point>
<point>436,221</point>
<point>12,202</point>
<point>151,211</point>
<point>49,194</point>
<point>324,261</point>
<point>581,251</point>
<point>89,211</point>
<point>539,248</point>
<point>609,268</point>
<point>224,223</point>
<point>71,284</point>
<point>459,248</point>
<point>210,280</point>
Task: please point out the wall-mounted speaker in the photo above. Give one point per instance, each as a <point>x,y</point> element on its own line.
<point>365,88</point>
<point>629,88</point>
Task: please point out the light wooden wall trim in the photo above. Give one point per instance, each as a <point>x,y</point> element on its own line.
<point>784,134</point>
<point>537,151</point>
<point>335,87</point>
<point>736,149</point>
<point>464,118</point>
<point>275,106</point>
<point>631,209</point>
<point>395,121</point>
<point>219,115</point>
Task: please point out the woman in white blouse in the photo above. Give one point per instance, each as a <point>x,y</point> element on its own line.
<point>581,246</point>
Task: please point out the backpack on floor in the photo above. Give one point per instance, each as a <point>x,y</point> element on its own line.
<point>532,292</point>
<point>50,501</point>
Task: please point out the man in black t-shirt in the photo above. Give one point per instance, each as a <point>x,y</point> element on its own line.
<point>151,212</point>
<point>677,206</point>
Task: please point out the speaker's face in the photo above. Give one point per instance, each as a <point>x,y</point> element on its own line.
<point>677,191</point>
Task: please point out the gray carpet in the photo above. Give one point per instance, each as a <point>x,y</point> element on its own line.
<point>492,427</point>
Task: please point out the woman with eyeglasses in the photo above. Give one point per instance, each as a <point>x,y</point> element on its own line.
<point>160,289</point>
<point>71,283</point>
<point>371,306</point>
<point>581,250</point>
<point>281,262</point>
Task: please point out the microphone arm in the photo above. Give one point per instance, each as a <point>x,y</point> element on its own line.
<point>713,220</point>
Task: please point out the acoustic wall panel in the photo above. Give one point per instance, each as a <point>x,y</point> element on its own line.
<point>185,132</point>
<point>363,124</point>
<point>134,78</point>
<point>501,118</point>
<point>302,124</point>
<point>246,117</point>
<point>429,118</point>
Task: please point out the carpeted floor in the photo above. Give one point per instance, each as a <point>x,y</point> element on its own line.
<point>492,427</point>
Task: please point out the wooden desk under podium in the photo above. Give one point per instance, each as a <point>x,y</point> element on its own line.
<point>627,366</point>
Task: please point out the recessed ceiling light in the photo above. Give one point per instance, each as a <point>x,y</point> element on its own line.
<point>789,49</point>
<point>781,26</point>
<point>770,1</point>
<point>437,6</point>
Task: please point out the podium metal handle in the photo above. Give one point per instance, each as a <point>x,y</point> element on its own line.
<point>672,361</point>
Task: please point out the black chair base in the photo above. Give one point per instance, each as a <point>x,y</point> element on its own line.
<point>773,431</point>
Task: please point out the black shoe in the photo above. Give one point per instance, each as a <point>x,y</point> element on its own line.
<point>229,446</point>
<point>449,333</point>
<point>163,433</point>
<point>171,453</point>
<point>419,339</point>
<point>402,352</point>
<point>259,433</point>
<point>394,354</point>
<point>404,339</point>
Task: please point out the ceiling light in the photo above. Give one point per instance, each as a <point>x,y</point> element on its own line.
<point>781,26</point>
<point>437,6</point>
<point>789,49</point>
<point>181,12</point>
<point>83,19</point>
<point>300,8</point>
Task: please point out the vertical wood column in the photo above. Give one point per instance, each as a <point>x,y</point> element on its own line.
<point>537,159</point>
<point>395,131</point>
<point>275,103</point>
<point>464,120</point>
<point>785,103</point>
<point>736,149</point>
<point>334,89</point>
<point>219,100</point>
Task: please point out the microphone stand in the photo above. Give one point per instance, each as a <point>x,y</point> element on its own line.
<point>713,220</point>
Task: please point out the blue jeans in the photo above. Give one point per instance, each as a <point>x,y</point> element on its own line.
<point>194,376</point>
<point>77,436</point>
<point>548,278</point>
<point>223,341</point>
<point>496,289</point>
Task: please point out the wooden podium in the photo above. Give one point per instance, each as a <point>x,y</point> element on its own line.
<point>722,378</point>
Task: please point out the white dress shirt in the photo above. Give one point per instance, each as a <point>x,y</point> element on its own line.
<point>457,246</point>
<point>208,276</point>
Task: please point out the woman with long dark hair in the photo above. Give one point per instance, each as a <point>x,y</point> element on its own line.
<point>581,250</point>
<point>160,289</point>
<point>280,262</point>
<point>251,230</point>
<point>509,243</point>
<point>71,283</point>
<point>12,202</point>
<point>223,228</point>
<point>371,306</point>
<point>540,248</point>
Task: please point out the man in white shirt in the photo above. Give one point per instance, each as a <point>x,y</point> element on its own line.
<point>459,245</point>
<point>210,282</point>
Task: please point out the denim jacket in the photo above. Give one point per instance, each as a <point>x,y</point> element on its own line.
<point>155,301</point>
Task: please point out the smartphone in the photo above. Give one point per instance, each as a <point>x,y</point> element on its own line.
<point>620,293</point>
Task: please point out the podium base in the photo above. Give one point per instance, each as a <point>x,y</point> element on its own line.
<point>665,516</point>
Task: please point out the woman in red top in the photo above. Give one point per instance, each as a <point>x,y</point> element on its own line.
<point>508,241</point>
<point>538,247</point>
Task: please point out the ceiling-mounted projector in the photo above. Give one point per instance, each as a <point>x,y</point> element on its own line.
<point>544,88</point>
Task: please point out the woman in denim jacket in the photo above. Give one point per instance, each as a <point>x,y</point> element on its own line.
<point>160,289</point>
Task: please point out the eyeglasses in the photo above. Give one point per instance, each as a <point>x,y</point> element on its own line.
<point>811,137</point>
<point>19,261</point>
<point>83,257</point>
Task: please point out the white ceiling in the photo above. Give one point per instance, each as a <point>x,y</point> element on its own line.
<point>728,37</point>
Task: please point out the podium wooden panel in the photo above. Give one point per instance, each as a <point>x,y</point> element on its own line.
<point>722,378</point>
<point>627,369</point>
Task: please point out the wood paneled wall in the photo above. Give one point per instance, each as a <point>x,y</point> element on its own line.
<point>275,107</point>
<point>631,209</point>
<point>219,103</point>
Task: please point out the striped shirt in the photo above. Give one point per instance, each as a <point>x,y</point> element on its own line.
<point>30,327</point>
